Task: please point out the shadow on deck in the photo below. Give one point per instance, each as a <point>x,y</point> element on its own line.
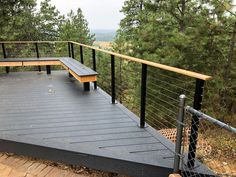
<point>51,117</point>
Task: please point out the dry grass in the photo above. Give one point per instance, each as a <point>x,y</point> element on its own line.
<point>102,44</point>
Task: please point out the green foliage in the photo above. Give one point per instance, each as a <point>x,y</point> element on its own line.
<point>49,20</point>
<point>191,34</point>
<point>21,21</point>
<point>75,28</point>
<point>17,20</point>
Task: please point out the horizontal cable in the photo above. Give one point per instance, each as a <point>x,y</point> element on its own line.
<point>168,115</point>
<point>155,103</point>
<point>157,98</point>
<point>158,80</point>
<point>171,77</point>
<point>174,99</point>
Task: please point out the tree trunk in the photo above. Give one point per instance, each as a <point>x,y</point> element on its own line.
<point>227,71</point>
<point>230,55</point>
<point>182,23</point>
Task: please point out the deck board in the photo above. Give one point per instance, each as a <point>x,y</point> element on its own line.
<point>55,115</point>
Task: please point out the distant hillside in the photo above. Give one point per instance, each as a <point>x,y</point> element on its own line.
<point>104,35</point>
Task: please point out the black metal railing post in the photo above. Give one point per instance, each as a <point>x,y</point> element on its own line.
<point>86,84</point>
<point>5,56</point>
<point>94,66</point>
<point>69,50</point>
<point>197,104</point>
<point>179,135</point>
<point>143,95</point>
<point>72,50</point>
<point>113,90</point>
<point>37,49</point>
<point>70,53</point>
<point>4,51</point>
<point>81,54</point>
<point>37,54</point>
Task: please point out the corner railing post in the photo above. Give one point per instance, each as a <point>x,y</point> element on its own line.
<point>5,56</point>
<point>179,135</point>
<point>113,90</point>
<point>81,54</point>
<point>70,53</point>
<point>69,50</point>
<point>94,66</point>
<point>86,84</point>
<point>37,54</point>
<point>143,95</point>
<point>72,50</point>
<point>195,123</point>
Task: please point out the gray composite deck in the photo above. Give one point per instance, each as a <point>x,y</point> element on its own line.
<point>51,117</point>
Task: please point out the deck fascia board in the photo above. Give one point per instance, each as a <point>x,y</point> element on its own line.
<point>31,147</point>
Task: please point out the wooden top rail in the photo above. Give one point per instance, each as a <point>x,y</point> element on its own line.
<point>31,42</point>
<point>150,63</point>
<point>137,60</point>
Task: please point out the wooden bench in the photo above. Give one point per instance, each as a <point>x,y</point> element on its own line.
<point>74,67</point>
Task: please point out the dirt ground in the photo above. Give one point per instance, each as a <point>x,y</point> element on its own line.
<point>18,166</point>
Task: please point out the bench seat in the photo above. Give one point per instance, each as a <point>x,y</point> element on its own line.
<point>29,61</point>
<point>78,70</point>
<point>74,67</point>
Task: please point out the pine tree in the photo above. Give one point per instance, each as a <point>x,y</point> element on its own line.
<point>189,34</point>
<point>17,20</point>
<point>49,20</point>
<point>75,28</point>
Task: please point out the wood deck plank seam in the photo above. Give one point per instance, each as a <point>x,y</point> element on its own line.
<point>68,110</point>
<point>55,108</point>
<point>106,137</point>
<point>72,131</point>
<point>68,125</point>
<point>58,120</point>
<point>58,126</point>
<point>103,147</point>
<point>117,133</point>
<point>69,114</point>
<point>110,139</point>
<point>63,121</point>
<point>75,127</point>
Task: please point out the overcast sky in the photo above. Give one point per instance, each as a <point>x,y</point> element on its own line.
<point>101,14</point>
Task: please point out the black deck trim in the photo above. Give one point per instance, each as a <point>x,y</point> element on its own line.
<point>91,161</point>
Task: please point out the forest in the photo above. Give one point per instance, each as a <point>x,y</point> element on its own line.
<point>196,35</point>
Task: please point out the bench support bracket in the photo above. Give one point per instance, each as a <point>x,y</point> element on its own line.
<point>86,86</point>
<point>48,68</point>
<point>70,75</point>
<point>7,69</point>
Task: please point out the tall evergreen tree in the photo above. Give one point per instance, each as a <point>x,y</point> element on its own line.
<point>75,27</point>
<point>17,20</point>
<point>49,19</point>
<point>190,34</point>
